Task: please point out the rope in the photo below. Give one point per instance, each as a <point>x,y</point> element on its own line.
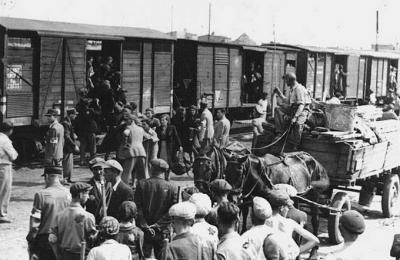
<point>274,142</point>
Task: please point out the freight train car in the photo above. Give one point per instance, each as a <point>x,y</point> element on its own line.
<point>43,65</point>
<point>312,65</point>
<point>318,69</point>
<point>232,76</point>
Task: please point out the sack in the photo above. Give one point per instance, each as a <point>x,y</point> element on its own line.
<point>179,166</point>
<point>395,250</point>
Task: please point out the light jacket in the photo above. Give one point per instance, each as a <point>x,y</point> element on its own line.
<point>7,152</point>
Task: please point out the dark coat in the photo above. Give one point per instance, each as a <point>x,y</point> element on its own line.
<point>69,136</point>
<point>121,194</point>
<point>172,138</point>
<point>93,205</point>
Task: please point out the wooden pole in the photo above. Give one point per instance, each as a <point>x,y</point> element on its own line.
<point>209,20</point>
<point>63,58</point>
<point>377,30</point>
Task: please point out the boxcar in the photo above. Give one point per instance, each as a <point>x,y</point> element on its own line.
<point>217,70</point>
<point>312,65</point>
<point>44,65</point>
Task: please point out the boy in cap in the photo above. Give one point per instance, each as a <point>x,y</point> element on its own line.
<point>200,226</point>
<point>109,249</point>
<point>73,225</point>
<point>129,234</point>
<point>47,203</point>
<point>119,191</point>
<point>351,226</point>
<point>255,236</point>
<point>280,204</point>
<point>186,245</point>
<point>231,245</point>
<point>69,145</point>
<point>7,155</point>
<point>154,197</point>
<point>95,205</point>
<point>53,153</point>
<point>220,190</point>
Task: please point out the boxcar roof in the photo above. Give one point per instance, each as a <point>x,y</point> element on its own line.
<point>288,47</point>
<point>82,30</point>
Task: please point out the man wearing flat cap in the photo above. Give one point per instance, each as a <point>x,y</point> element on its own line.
<point>261,211</point>
<point>47,203</point>
<point>299,101</point>
<point>220,190</point>
<point>351,226</point>
<point>280,203</point>
<point>69,144</point>
<point>201,227</point>
<point>186,245</point>
<point>95,205</point>
<point>154,197</point>
<point>53,153</point>
<point>119,191</point>
<point>73,225</point>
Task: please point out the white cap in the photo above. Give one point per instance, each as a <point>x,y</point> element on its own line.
<point>261,208</point>
<point>113,164</point>
<point>185,210</point>
<point>202,203</point>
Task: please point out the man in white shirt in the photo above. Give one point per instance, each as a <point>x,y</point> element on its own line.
<point>7,156</point>
<point>110,249</point>
<point>221,129</point>
<point>201,227</point>
<point>259,231</point>
<point>207,125</point>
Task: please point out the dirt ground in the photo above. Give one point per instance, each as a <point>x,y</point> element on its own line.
<point>375,242</point>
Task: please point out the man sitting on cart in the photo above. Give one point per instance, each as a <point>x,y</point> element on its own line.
<point>296,114</point>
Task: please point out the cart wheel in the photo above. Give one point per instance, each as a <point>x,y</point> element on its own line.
<point>390,196</point>
<point>340,201</point>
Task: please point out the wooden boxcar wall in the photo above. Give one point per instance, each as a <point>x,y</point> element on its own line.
<point>3,39</point>
<point>53,50</point>
<point>378,69</point>
<point>146,73</point>
<point>274,69</point>
<point>219,72</point>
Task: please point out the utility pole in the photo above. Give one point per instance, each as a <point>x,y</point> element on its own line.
<point>209,20</point>
<point>377,30</point>
<point>172,18</point>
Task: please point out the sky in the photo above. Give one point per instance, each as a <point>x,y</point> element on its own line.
<point>338,23</point>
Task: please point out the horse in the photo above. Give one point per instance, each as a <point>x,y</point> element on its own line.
<point>210,164</point>
<point>255,176</point>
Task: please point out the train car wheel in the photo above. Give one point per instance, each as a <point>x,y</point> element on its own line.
<point>340,201</point>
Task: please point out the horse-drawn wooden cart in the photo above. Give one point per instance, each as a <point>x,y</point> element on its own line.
<point>355,162</point>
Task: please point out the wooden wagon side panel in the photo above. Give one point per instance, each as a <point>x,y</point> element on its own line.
<point>334,157</point>
<point>205,72</point>
<point>75,70</point>
<point>162,77</point>
<point>50,74</point>
<point>131,70</point>
<point>235,77</point>
<point>352,76</point>
<point>147,75</point>
<point>19,93</point>
<point>373,160</point>
<point>221,77</point>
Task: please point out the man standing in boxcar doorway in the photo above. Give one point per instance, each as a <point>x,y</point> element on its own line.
<point>53,153</point>
<point>299,101</point>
